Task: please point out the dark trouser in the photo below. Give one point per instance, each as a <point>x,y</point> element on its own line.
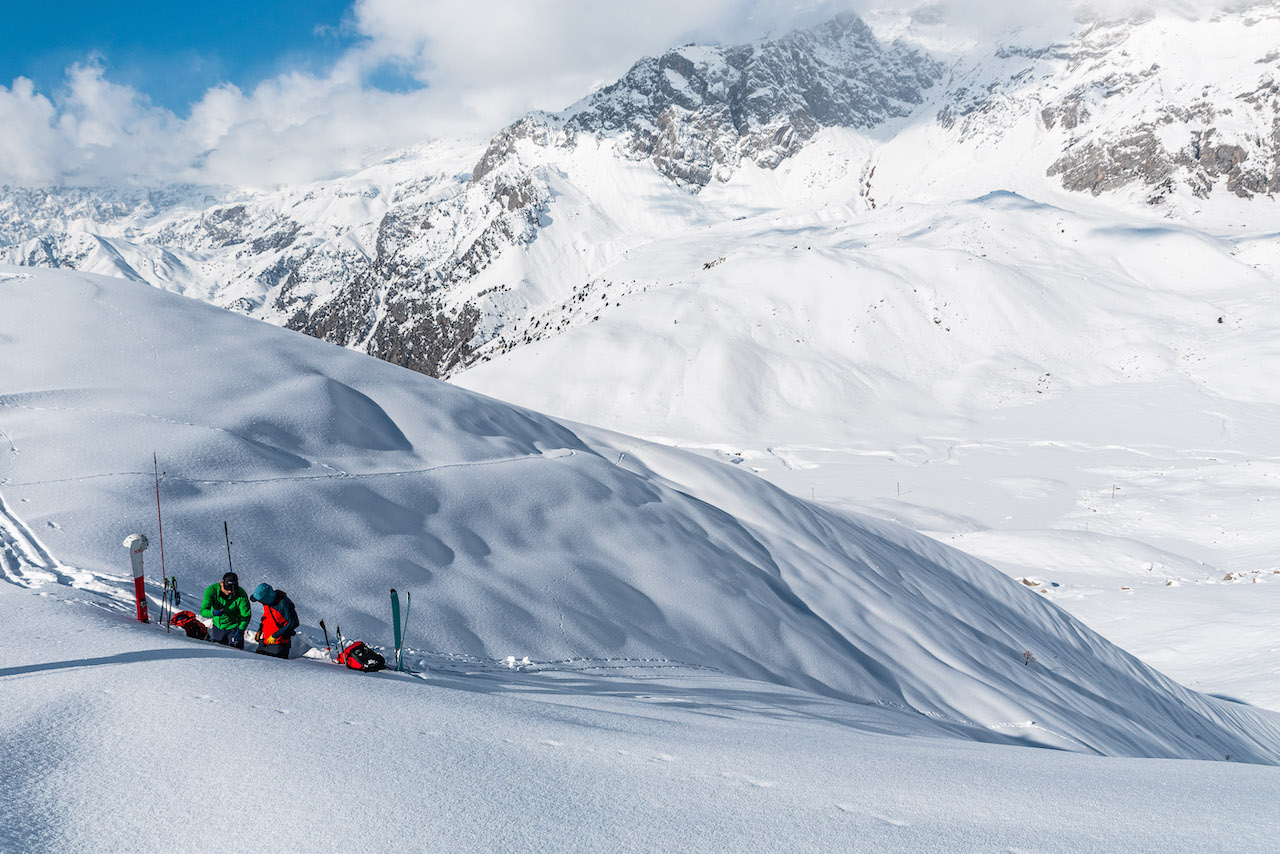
<point>227,637</point>
<point>275,650</point>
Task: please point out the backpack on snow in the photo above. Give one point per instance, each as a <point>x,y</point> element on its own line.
<point>190,623</point>
<point>360,656</point>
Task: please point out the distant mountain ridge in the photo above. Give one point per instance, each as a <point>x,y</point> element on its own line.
<point>449,254</point>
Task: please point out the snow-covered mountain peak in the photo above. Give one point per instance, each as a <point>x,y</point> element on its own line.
<point>698,111</point>
<point>447,255</point>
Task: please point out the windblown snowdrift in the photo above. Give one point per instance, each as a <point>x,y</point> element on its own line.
<point>341,476</point>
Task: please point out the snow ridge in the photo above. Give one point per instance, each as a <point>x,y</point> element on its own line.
<point>524,536</point>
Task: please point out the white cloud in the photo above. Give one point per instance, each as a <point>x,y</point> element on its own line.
<point>480,66</point>
<point>30,145</point>
<point>292,128</point>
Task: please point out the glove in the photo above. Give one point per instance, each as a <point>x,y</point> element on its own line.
<point>257,637</point>
<point>237,637</point>
<point>270,640</point>
<point>218,613</point>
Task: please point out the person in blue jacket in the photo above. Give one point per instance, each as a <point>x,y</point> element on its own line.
<point>279,621</point>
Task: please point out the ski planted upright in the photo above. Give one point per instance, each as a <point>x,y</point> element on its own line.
<point>395,622</point>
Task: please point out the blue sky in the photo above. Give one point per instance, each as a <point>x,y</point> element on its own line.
<point>100,92</point>
<point>169,50</point>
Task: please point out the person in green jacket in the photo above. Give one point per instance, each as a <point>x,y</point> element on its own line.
<point>228,605</point>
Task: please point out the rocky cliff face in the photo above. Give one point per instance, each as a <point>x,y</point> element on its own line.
<point>439,256</point>
<point>698,112</point>
<point>1208,148</point>
<point>1159,106</point>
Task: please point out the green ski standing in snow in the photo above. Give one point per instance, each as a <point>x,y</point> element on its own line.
<point>228,605</point>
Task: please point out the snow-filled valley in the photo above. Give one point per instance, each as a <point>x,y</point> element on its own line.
<point>1085,401</point>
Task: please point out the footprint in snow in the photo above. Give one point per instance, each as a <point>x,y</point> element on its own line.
<point>759,784</point>
<point>850,808</point>
<point>551,743</point>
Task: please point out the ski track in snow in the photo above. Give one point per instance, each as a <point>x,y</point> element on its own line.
<point>98,297</point>
<point>21,554</point>
<point>8,455</point>
<point>161,418</point>
<point>629,451</point>
<point>337,473</point>
<point>25,562</point>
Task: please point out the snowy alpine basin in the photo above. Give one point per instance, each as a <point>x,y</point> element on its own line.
<point>614,645</point>
<point>1082,393</point>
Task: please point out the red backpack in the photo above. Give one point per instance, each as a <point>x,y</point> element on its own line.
<point>190,623</point>
<point>360,656</point>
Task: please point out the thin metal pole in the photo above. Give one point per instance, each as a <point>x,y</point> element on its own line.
<point>164,573</point>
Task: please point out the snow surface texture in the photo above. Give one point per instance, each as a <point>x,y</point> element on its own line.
<point>116,737</point>
<point>703,650</point>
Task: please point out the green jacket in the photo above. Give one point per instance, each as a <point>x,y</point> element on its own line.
<point>235,608</point>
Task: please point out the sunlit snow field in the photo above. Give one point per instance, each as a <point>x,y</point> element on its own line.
<point>616,644</point>
<point>1087,405</point>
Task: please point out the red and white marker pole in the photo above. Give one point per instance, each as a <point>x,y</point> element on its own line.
<point>137,544</point>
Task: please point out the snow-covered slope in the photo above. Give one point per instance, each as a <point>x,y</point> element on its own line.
<point>804,328</point>
<point>116,737</point>
<point>342,476</point>
<point>1086,399</point>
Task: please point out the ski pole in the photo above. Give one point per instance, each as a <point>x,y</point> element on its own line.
<point>175,599</point>
<point>226,532</point>
<point>404,632</point>
<point>155,462</point>
<point>327,649</point>
<point>164,605</point>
